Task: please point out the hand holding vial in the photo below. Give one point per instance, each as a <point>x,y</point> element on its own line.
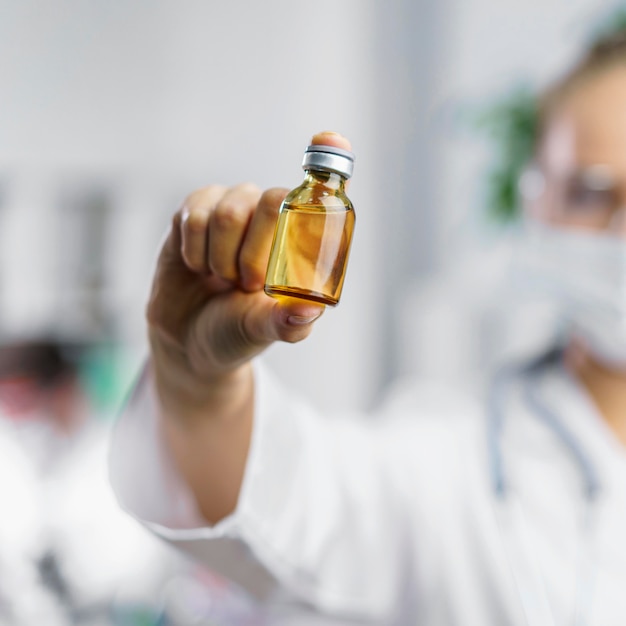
<point>208,316</point>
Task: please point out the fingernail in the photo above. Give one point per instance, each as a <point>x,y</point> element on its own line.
<point>301,320</point>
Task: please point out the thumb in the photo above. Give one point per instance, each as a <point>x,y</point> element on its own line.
<point>239,325</point>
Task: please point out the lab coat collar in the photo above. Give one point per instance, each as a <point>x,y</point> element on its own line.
<point>562,391</point>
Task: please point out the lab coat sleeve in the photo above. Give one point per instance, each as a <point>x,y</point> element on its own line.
<point>317,523</point>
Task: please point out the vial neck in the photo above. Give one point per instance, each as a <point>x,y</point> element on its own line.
<point>328,179</point>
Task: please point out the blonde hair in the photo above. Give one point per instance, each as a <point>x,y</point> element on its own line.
<point>518,123</point>
<point>606,53</point>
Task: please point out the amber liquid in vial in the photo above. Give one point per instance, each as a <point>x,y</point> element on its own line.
<point>310,252</point>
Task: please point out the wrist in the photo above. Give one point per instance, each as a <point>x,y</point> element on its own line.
<point>185,393</point>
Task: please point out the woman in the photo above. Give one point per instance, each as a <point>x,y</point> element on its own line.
<point>507,510</point>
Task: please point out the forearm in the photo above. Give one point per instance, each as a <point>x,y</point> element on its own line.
<point>314,512</point>
<point>207,429</point>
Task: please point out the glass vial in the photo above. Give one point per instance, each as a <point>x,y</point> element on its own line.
<point>309,254</point>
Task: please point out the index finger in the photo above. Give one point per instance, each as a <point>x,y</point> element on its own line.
<point>331,138</point>
<point>255,250</point>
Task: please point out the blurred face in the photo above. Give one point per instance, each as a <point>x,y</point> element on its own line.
<point>583,158</point>
<point>23,399</point>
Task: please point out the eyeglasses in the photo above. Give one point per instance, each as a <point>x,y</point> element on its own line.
<point>591,197</point>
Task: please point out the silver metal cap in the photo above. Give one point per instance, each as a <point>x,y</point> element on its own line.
<point>328,159</point>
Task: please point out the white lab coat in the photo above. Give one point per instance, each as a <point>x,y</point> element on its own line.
<point>392,519</point>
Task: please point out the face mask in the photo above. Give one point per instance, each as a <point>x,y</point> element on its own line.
<point>584,274</point>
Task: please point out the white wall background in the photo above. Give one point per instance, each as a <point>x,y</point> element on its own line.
<point>153,99</point>
<point>147,100</point>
